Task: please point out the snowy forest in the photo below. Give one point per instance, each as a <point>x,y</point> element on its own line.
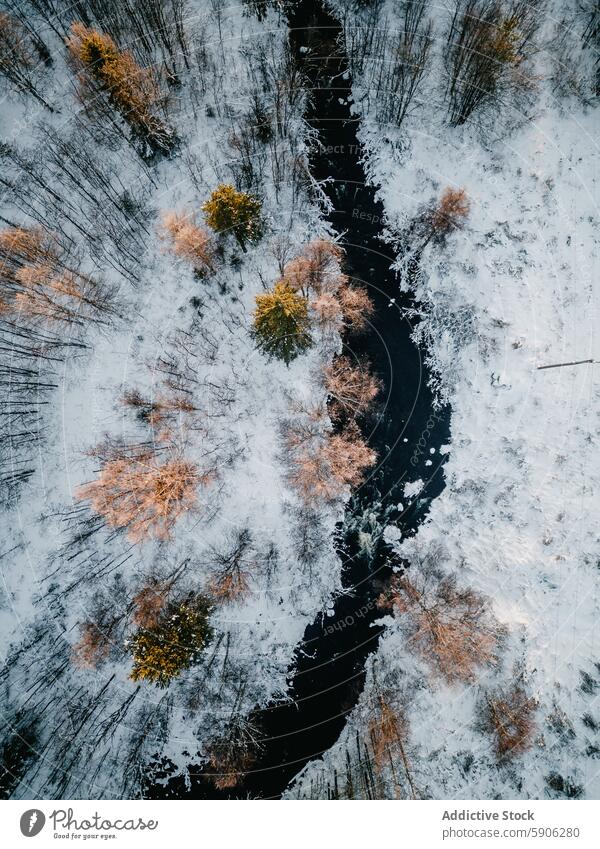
<point>299,444</point>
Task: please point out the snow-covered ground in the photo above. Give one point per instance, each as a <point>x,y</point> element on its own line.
<point>513,290</point>
<point>516,289</point>
<point>91,731</point>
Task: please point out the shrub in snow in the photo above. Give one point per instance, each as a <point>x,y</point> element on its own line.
<point>21,740</point>
<point>162,413</point>
<point>230,211</point>
<point>189,241</point>
<point>173,644</point>
<point>281,323</point>
<point>562,787</point>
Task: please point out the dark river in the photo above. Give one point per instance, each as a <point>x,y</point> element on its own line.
<point>327,671</point>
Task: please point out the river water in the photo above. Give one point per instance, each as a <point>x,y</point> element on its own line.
<point>328,670</point>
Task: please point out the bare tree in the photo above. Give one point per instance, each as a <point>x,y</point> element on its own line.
<point>272,117</point>
<point>363,31</point>
<point>390,64</point>
<point>309,536</point>
<point>38,282</point>
<point>591,35</point>
<point>352,388</point>
<point>231,567</point>
<point>447,625</point>
<point>509,715</point>
<point>591,12</point>
<point>235,752</point>
<point>154,29</point>
<point>70,190</point>
<point>577,71</point>
<point>322,467</point>
<point>488,43</point>
<point>20,58</point>
<point>402,64</point>
<point>30,23</point>
<point>259,8</point>
<point>28,358</point>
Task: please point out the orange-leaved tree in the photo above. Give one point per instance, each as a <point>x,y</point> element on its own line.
<point>149,603</point>
<point>334,304</point>
<point>449,213</point>
<point>93,646</point>
<point>139,491</point>
<point>389,734</point>
<point>133,91</point>
<point>38,281</point>
<point>323,466</point>
<point>447,625</point>
<point>352,388</point>
<point>316,269</point>
<point>189,241</point>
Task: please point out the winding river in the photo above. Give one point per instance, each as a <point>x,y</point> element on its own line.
<point>327,672</point>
